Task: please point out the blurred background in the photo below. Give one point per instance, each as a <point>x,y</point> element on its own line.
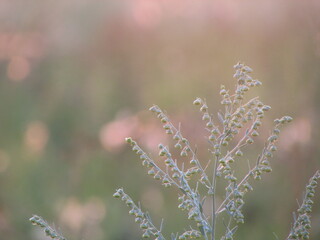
<point>76,77</point>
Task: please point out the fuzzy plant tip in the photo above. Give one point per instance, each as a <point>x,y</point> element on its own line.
<point>48,230</point>
<point>302,221</point>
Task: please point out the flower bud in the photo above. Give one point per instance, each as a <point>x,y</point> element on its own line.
<point>197,102</point>
<point>288,118</point>
<point>175,175</point>
<point>257,83</point>
<point>223,92</point>
<point>254,134</point>
<point>151,172</point>
<point>193,162</point>
<point>206,117</point>
<point>157,176</point>
<point>169,131</point>
<point>247,69</point>
<point>183,153</point>
<point>239,153</point>
<point>155,109</point>
<point>143,225</point>
<point>115,195</point>
<point>204,108</point>
<point>273,148</point>
<point>249,140</point>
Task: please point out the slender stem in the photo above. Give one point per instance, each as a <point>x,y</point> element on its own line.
<point>214,198</point>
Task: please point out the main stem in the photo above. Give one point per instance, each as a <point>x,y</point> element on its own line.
<point>213,217</point>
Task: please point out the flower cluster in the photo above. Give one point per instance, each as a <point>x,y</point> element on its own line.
<point>190,235</point>
<point>182,144</point>
<point>237,115</point>
<point>49,231</point>
<point>302,223</point>
<point>141,217</point>
<point>235,192</point>
<point>174,175</point>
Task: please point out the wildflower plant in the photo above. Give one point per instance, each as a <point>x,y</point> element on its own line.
<point>235,128</point>
<point>241,119</point>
